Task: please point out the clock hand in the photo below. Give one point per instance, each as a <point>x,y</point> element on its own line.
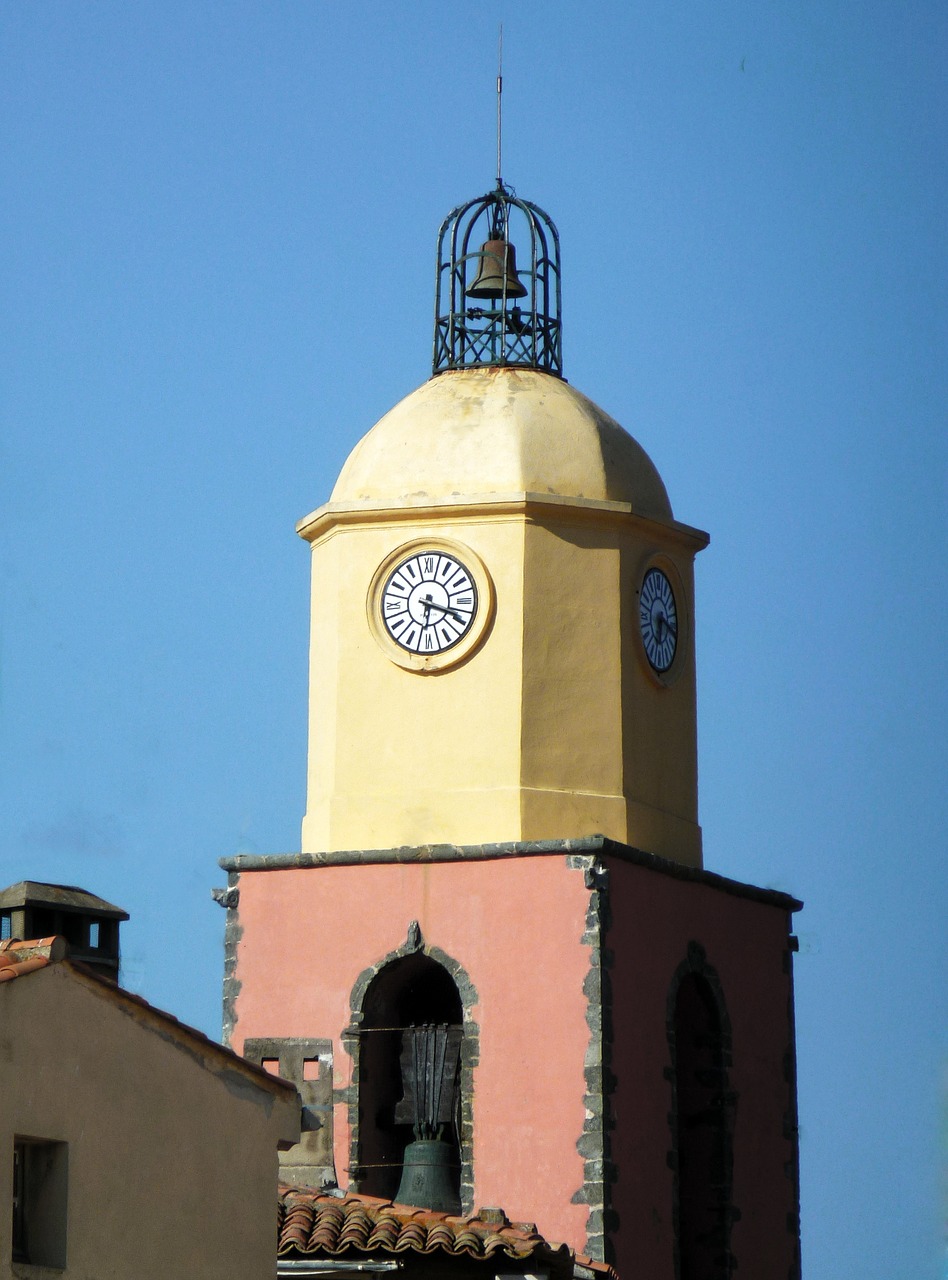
<point>662,625</point>
<point>445,608</point>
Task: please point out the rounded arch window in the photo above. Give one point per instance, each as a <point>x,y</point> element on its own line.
<point>702,1115</point>
<point>409,1053</point>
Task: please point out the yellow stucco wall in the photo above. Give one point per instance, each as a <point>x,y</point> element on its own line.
<point>554,725</point>
<point>398,756</point>
<point>172,1147</point>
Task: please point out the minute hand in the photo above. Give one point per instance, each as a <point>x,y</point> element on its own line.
<point>445,608</point>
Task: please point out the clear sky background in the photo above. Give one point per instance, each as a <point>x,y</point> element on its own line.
<point>217,224</point>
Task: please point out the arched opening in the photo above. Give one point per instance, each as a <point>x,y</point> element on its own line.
<point>409,1049</point>
<point>701,1115</point>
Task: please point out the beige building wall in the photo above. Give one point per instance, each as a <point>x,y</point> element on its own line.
<point>171,1157</point>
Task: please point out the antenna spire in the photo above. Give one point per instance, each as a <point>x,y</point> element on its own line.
<point>500,90</point>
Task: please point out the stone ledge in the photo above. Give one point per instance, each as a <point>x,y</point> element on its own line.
<point>585,845</point>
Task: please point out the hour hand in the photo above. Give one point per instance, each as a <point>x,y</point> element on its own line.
<point>445,608</point>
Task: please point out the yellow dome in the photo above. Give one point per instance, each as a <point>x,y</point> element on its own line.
<point>477,432</point>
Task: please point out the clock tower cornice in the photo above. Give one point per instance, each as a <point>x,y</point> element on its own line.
<point>325,520</point>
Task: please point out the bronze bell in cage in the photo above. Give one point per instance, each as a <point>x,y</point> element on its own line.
<point>497,272</point>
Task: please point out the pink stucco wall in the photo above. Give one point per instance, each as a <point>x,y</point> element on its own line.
<point>654,917</point>
<point>515,926</point>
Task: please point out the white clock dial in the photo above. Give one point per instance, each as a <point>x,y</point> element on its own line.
<point>658,620</point>
<point>428,602</point>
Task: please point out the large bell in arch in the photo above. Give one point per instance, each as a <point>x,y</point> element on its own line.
<point>429,1176</point>
<point>497,275</point>
<point>410,1091</point>
<point>429,1067</point>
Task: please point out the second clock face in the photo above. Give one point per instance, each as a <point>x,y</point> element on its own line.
<point>428,602</point>
<point>658,620</point>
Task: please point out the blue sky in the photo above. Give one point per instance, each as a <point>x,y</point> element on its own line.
<point>218,227</point>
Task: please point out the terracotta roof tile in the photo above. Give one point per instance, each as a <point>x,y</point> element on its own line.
<point>384,1233</point>
<point>295,1227</point>
<point>316,1222</point>
<point>355,1230</point>
<point>440,1236</point>
<point>18,958</point>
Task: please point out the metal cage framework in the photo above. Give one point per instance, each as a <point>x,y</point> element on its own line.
<point>524,331</point>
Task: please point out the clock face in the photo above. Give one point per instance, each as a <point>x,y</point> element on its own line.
<point>658,620</point>
<point>428,602</point>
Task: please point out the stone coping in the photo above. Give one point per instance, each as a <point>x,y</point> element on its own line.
<point>588,845</point>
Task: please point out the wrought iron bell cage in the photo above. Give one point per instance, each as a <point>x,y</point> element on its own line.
<point>517,318</point>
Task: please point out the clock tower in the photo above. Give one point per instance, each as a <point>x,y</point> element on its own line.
<point>502,602</point>
<point>500,868</point>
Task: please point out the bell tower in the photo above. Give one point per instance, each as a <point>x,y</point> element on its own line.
<point>497,951</point>
<point>502,602</point>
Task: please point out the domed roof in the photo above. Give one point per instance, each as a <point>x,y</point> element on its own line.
<point>482,431</point>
